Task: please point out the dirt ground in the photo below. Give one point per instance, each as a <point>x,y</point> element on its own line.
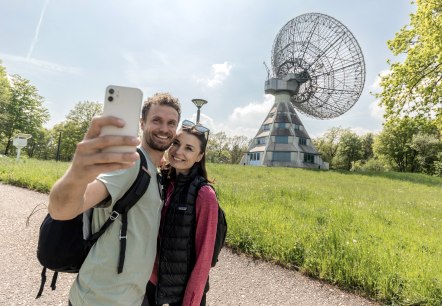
<point>236,280</point>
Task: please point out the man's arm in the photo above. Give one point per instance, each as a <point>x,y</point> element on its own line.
<point>78,190</point>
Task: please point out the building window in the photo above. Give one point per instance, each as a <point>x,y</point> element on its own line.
<point>281,156</point>
<point>266,127</point>
<point>302,141</point>
<point>260,140</point>
<point>309,158</point>
<point>280,125</point>
<point>254,156</point>
<point>281,139</point>
<point>296,127</point>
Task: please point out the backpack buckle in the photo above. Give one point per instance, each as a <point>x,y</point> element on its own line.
<point>123,237</point>
<point>114,215</point>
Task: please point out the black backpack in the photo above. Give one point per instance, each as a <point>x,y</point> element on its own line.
<point>221,228</point>
<point>64,245</point>
<point>221,233</point>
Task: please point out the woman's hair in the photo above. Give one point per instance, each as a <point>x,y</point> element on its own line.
<point>201,165</point>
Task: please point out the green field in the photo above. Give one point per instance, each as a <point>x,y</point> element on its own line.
<point>379,235</point>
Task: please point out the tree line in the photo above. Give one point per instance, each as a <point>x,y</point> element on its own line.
<point>405,145</point>
<point>22,112</point>
<point>411,95</point>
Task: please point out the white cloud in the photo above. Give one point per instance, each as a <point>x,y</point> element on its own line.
<point>249,114</point>
<point>219,73</point>
<point>244,121</point>
<point>44,65</point>
<point>376,85</point>
<point>376,111</point>
<point>247,120</point>
<point>362,131</point>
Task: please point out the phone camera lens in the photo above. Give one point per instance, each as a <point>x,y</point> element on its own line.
<point>110,99</point>
<point>111,91</point>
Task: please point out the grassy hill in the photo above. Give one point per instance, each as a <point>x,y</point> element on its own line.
<point>378,234</point>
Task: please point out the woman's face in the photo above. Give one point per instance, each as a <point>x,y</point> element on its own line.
<point>184,152</point>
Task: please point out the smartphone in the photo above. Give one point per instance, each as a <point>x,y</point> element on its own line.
<point>125,103</point>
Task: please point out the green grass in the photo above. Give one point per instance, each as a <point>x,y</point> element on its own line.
<point>34,174</point>
<point>377,234</point>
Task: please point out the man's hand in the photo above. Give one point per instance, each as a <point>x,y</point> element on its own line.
<point>77,190</point>
<point>89,160</point>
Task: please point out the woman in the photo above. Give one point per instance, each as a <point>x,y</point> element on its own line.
<point>186,239</point>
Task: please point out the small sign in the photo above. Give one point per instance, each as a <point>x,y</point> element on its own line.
<point>20,142</point>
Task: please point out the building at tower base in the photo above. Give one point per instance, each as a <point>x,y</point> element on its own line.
<point>282,140</point>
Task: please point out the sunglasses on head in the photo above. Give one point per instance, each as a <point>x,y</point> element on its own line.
<point>187,124</point>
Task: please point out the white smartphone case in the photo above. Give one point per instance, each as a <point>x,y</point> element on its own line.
<point>123,102</point>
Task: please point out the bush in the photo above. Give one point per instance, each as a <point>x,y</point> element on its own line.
<point>374,164</point>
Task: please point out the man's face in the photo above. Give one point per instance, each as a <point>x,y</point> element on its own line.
<point>160,126</point>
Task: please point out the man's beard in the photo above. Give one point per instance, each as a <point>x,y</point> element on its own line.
<point>154,145</point>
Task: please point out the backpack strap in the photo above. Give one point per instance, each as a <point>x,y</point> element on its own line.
<point>194,187</point>
<point>221,228</point>
<point>43,281</point>
<point>122,206</point>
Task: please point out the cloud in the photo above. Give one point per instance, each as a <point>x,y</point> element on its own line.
<point>44,65</point>
<point>219,73</point>
<point>376,111</point>
<point>247,115</point>
<point>229,128</point>
<point>376,85</point>
<point>244,121</point>
<point>363,131</point>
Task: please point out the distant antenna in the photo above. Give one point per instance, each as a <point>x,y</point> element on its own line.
<point>268,70</point>
<point>322,63</point>
<point>318,69</point>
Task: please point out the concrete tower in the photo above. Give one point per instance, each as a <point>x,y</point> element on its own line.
<point>282,139</point>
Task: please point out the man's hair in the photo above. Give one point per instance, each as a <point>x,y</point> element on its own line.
<point>161,98</point>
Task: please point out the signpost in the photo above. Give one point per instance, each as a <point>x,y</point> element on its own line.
<point>20,141</point>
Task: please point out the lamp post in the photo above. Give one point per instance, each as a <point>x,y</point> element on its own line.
<point>199,103</point>
<point>57,158</point>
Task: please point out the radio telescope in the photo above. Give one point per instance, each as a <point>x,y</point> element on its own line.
<point>318,69</point>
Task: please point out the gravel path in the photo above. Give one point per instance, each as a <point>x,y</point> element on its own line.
<point>236,280</point>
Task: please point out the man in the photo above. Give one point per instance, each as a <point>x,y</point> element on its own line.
<point>98,282</point>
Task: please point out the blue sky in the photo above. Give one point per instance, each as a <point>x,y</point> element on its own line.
<point>71,50</point>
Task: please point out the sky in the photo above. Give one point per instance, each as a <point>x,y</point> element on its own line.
<point>213,50</point>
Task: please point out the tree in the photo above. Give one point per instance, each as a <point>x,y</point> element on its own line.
<point>428,148</point>
<point>349,149</point>
<point>395,141</point>
<point>328,144</point>
<point>238,147</point>
<point>223,149</point>
<point>24,113</point>
<point>72,130</point>
<point>367,141</point>
<point>5,92</point>
<point>218,148</point>
<point>39,146</point>
<point>82,114</point>
<point>5,95</point>
<point>414,87</point>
